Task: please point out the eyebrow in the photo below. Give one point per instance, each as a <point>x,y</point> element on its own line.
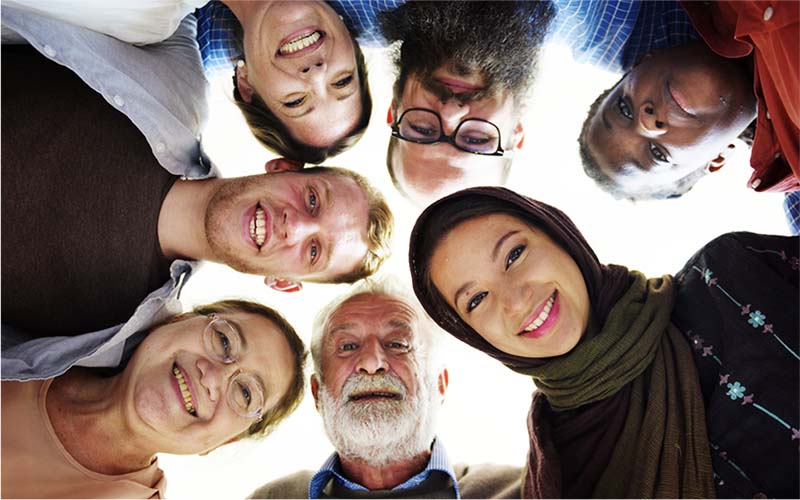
<point>605,120</point>
<point>341,327</point>
<point>239,330</point>
<point>461,291</point>
<point>328,204</point>
<point>347,96</point>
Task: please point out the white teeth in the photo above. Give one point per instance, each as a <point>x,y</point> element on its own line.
<point>300,43</point>
<point>187,396</point>
<point>258,227</point>
<point>542,315</point>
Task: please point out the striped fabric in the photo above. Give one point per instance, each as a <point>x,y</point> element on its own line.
<point>791,206</point>
<point>331,467</point>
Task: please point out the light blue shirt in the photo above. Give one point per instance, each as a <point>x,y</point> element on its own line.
<point>332,469</point>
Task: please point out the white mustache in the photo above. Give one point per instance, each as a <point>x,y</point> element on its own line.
<point>360,383</point>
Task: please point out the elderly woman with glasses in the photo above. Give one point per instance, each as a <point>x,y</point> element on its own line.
<point>226,371</point>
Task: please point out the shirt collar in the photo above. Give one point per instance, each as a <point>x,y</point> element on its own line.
<point>332,469</point>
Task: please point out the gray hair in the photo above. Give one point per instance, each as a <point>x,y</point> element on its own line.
<point>429,333</point>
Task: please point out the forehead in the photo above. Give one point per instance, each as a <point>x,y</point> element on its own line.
<point>362,313</point>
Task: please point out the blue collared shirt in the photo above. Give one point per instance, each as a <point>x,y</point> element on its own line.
<point>614,35</point>
<point>791,205</point>
<point>332,469</point>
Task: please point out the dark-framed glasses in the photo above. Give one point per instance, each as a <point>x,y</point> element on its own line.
<point>473,135</point>
<point>224,343</point>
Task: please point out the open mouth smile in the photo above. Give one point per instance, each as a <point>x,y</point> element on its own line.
<point>258,227</point>
<point>537,324</point>
<point>302,44</point>
<point>188,401</point>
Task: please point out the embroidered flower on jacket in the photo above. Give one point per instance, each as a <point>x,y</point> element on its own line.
<point>736,391</point>
<point>757,319</point>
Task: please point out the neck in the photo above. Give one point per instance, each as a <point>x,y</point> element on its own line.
<point>181,222</point>
<point>383,477</point>
<point>87,415</point>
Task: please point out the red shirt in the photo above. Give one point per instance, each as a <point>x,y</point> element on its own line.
<point>768,30</point>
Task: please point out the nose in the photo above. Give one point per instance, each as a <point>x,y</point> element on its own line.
<point>214,377</point>
<point>372,359</point>
<point>452,112</point>
<point>515,300</point>
<point>297,226</point>
<point>313,67</point>
<point>650,120</point>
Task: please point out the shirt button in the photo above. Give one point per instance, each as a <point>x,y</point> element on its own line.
<point>755,183</point>
<point>768,13</point>
<point>119,101</point>
<point>160,147</point>
<point>777,155</point>
<point>769,117</point>
<point>50,51</point>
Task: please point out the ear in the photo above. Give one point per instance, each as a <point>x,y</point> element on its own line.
<point>444,380</point>
<point>245,90</point>
<point>282,285</point>
<point>390,115</point>
<point>315,390</point>
<point>518,135</point>
<point>231,440</point>
<point>283,165</point>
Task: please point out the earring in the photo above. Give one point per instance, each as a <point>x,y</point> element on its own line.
<point>240,63</point>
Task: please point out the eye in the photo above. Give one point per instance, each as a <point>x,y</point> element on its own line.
<point>312,200</point>
<point>295,103</point>
<point>514,254</point>
<point>475,301</point>
<point>224,342</point>
<point>397,345</point>
<point>344,82</point>
<point>475,141</point>
<point>423,131</point>
<point>348,346</point>
<point>246,394</point>
<point>657,153</point>
<point>313,252</point>
<point>624,109</point>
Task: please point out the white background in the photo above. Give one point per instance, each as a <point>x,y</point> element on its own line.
<point>484,416</point>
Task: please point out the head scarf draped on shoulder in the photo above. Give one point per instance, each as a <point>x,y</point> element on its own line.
<point>628,393</point>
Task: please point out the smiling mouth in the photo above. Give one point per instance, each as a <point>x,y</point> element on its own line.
<point>299,43</point>
<point>188,402</point>
<point>258,227</point>
<point>542,317</point>
<point>374,395</point>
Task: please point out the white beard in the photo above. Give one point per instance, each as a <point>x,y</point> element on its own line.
<point>380,432</point>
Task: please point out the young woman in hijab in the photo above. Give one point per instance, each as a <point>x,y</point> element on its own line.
<point>226,371</point>
<point>300,78</point>
<point>680,386</point>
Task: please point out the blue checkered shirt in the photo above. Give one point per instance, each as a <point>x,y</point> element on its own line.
<point>332,469</point>
<point>216,25</point>
<point>613,35</point>
<point>791,205</point>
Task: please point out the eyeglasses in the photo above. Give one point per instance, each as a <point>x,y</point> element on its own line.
<point>473,135</point>
<point>245,392</point>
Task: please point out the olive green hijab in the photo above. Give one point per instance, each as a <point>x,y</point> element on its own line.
<point>631,362</point>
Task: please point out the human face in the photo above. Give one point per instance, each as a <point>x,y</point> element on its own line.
<point>288,224</point>
<point>514,286</point>
<point>429,171</point>
<point>155,405</point>
<point>672,114</point>
<point>378,398</point>
<point>301,61</point>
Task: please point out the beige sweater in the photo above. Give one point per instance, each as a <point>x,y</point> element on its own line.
<point>479,481</point>
<point>36,465</point>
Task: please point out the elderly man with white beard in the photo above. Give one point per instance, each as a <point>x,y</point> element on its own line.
<point>379,382</point>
